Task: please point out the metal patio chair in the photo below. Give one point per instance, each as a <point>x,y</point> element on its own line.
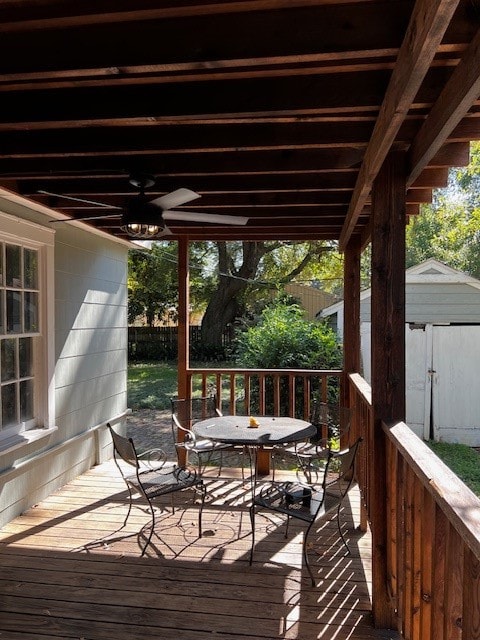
<point>310,502</point>
<point>184,414</point>
<point>332,422</point>
<point>153,476</point>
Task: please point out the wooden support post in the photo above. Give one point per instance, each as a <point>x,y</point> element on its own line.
<point>351,330</point>
<point>388,357</point>
<point>351,322</point>
<point>183,380</point>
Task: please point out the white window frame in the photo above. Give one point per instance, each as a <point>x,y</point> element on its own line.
<point>15,230</point>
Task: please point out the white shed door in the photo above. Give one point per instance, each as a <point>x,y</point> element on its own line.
<point>418,344</point>
<point>456,384</point>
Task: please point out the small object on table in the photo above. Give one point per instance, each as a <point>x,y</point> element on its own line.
<point>253,423</point>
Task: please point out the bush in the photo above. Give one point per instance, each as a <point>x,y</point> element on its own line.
<point>283,339</point>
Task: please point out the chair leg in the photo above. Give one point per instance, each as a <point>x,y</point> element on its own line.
<point>221,463</point>
<point>129,505</point>
<point>252,522</point>
<point>203,491</point>
<point>340,531</point>
<point>152,511</point>
<point>305,554</point>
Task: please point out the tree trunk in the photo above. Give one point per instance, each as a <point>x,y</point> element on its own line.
<point>224,305</point>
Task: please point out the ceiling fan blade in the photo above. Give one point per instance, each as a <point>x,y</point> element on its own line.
<point>98,204</point>
<point>113,215</point>
<point>197,216</point>
<point>175,199</point>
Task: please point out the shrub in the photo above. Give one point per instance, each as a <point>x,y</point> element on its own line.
<point>283,339</point>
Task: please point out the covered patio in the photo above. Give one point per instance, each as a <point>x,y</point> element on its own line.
<point>315,120</point>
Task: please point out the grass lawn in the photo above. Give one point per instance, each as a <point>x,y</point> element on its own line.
<point>152,384</point>
<point>462,460</point>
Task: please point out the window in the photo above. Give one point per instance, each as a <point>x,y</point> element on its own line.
<point>19,335</point>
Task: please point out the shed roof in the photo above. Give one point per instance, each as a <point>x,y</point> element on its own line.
<point>431,272</point>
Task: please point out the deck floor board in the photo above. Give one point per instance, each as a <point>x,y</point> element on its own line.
<point>69,570</point>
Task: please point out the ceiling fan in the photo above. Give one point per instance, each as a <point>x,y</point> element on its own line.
<point>145,219</point>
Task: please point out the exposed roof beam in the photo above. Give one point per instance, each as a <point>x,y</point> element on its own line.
<point>428,23</point>
<point>457,97</point>
<point>455,154</point>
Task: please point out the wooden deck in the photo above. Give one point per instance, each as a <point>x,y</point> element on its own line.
<point>70,571</point>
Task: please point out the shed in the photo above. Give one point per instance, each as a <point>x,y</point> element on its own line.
<point>310,298</point>
<point>442,315</point>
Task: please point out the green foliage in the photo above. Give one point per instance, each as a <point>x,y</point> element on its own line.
<point>449,228</point>
<point>284,339</point>
<point>462,460</point>
<point>152,283</point>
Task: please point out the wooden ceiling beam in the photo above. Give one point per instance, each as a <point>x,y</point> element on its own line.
<point>454,102</point>
<point>135,143</point>
<point>455,154</point>
<point>176,38</point>
<point>429,21</point>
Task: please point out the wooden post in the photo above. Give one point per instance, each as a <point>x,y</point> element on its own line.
<point>351,321</point>
<point>183,380</point>
<point>388,357</point>
<point>351,331</point>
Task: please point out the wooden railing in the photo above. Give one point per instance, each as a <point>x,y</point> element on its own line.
<point>433,531</point>
<point>433,554</point>
<point>267,391</point>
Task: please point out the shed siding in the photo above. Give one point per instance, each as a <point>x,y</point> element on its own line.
<point>437,303</point>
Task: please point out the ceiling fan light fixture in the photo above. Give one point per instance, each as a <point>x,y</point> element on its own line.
<point>141,231</point>
<point>141,220</point>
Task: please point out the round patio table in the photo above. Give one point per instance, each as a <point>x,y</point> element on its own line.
<point>270,431</point>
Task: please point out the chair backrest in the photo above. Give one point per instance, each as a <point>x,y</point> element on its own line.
<point>342,464</point>
<point>123,448</point>
<point>331,420</point>
<point>194,409</point>
<point>185,413</point>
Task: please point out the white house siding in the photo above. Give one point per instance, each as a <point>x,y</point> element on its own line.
<point>90,331</point>
<point>90,365</point>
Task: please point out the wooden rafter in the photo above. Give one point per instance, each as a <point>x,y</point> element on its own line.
<point>453,104</point>
<point>429,21</point>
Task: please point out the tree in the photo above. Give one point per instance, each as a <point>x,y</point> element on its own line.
<point>152,284</point>
<point>248,271</point>
<point>153,281</point>
<point>284,339</point>
<point>449,228</point>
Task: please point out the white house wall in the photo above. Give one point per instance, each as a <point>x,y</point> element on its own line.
<point>90,363</point>
<point>435,303</point>
<point>90,329</point>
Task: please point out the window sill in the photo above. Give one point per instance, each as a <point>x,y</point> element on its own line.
<point>25,438</point>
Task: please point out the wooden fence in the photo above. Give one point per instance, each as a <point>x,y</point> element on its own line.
<point>161,343</point>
